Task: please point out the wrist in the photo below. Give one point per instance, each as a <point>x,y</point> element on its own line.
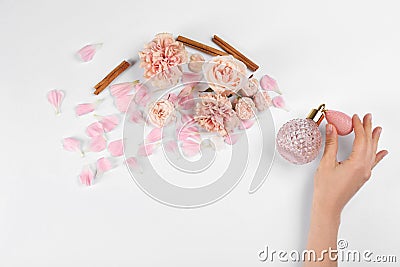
<point>325,212</point>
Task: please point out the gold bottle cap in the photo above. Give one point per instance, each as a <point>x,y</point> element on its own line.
<point>317,115</point>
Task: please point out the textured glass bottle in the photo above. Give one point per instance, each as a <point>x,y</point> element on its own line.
<point>299,141</point>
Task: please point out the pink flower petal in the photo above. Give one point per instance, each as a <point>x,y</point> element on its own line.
<point>231,139</point>
<point>186,132</point>
<point>97,143</point>
<point>190,148</point>
<point>87,52</point>
<point>171,146</point>
<point>172,97</point>
<point>137,116</point>
<point>187,90</point>
<point>133,163</point>
<point>86,177</point>
<point>141,96</point>
<point>186,102</point>
<point>122,89</point>
<point>72,144</point>
<point>109,122</point>
<point>279,102</point>
<point>145,150</point>
<point>82,109</point>
<point>154,135</point>
<point>246,124</point>
<point>103,165</point>
<point>94,129</point>
<point>187,118</point>
<point>55,97</point>
<point>116,148</point>
<point>269,84</point>
<point>191,78</point>
<point>122,103</point>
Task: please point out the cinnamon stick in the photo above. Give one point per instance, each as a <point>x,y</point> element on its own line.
<point>201,47</point>
<point>234,52</point>
<point>111,76</point>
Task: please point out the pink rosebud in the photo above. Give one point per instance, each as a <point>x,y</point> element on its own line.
<point>196,62</point>
<point>262,101</point>
<point>245,108</point>
<point>250,87</point>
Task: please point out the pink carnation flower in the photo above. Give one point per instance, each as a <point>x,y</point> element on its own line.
<point>215,114</point>
<point>162,54</point>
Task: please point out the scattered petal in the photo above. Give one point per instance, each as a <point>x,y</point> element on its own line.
<point>87,176</point>
<point>187,118</point>
<point>55,97</point>
<point>269,84</point>
<point>145,150</point>
<point>171,146</point>
<point>279,102</point>
<point>190,148</point>
<point>104,165</point>
<point>116,148</point>
<point>246,124</point>
<point>94,129</point>
<point>133,163</point>
<point>122,103</point>
<point>109,122</point>
<point>87,52</point>
<point>186,132</point>
<point>122,89</point>
<point>73,144</point>
<point>155,135</point>
<point>137,116</point>
<point>187,90</point>
<point>186,102</point>
<point>97,143</point>
<point>82,109</point>
<point>141,96</point>
<point>172,97</point>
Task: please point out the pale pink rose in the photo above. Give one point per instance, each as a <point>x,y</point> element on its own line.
<point>196,62</point>
<point>262,100</point>
<point>162,53</point>
<point>250,87</point>
<point>161,112</point>
<point>225,73</point>
<point>215,114</point>
<point>245,108</point>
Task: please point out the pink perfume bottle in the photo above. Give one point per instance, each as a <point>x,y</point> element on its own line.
<point>299,141</point>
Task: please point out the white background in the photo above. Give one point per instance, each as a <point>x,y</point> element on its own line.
<point>342,53</point>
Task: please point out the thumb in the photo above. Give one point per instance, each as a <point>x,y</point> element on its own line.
<point>331,144</point>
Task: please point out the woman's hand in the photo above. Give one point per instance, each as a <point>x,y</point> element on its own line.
<point>335,183</point>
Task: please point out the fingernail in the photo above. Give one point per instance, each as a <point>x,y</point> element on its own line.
<point>369,116</point>
<point>329,128</point>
